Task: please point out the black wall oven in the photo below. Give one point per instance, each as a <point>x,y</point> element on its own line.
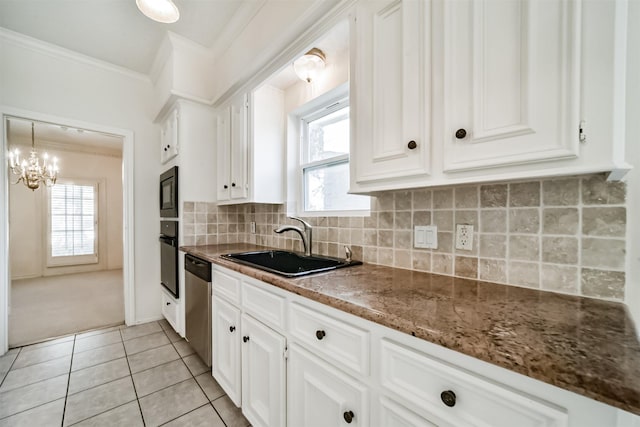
<point>169,193</point>
<point>169,256</point>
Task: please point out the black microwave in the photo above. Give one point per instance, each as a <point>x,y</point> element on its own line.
<point>169,193</point>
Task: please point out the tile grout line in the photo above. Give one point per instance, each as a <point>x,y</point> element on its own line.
<point>209,401</point>
<point>66,394</point>
<point>10,367</point>
<point>135,391</point>
<point>100,413</point>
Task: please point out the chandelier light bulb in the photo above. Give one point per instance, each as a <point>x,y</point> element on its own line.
<point>164,11</point>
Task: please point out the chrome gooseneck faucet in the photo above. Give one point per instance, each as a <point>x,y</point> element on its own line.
<point>306,233</point>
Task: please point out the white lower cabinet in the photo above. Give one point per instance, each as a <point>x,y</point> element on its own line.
<point>248,354</point>
<point>225,344</point>
<point>263,374</point>
<point>170,309</point>
<point>319,395</point>
<point>289,361</point>
<point>442,393</point>
<point>393,414</point>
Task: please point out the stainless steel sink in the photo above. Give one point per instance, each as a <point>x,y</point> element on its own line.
<point>289,264</point>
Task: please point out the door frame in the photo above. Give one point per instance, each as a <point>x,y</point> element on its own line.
<point>127,205</point>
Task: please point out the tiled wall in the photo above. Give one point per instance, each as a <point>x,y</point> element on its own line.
<point>564,234</point>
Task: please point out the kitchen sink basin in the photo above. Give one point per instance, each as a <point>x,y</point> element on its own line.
<point>289,264</point>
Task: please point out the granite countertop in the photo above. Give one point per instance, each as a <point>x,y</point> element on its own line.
<point>584,345</point>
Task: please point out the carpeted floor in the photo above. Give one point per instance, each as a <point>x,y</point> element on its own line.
<point>48,307</point>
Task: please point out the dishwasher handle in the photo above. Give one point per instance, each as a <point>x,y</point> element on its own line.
<point>197,266</point>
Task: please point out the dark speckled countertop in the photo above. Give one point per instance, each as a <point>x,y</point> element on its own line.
<point>584,345</point>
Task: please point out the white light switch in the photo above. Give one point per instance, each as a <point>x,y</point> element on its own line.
<point>425,236</point>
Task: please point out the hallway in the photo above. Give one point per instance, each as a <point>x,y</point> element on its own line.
<point>47,307</point>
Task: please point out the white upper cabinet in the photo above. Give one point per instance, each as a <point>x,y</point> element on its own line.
<point>511,82</point>
<point>251,142</point>
<point>232,150</point>
<point>487,90</point>
<point>389,90</point>
<point>169,137</point>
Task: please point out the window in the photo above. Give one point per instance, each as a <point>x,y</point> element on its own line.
<point>73,223</point>
<point>325,160</point>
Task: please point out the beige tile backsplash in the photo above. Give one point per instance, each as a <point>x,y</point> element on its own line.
<point>563,234</point>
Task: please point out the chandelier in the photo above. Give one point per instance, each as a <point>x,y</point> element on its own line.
<point>30,171</point>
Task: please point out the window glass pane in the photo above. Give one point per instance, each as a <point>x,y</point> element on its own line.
<point>328,136</point>
<point>72,220</point>
<point>326,189</point>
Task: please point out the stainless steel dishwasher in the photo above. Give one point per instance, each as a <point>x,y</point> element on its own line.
<point>198,305</point>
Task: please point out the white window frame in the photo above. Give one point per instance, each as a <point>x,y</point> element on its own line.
<point>69,260</point>
<point>323,105</point>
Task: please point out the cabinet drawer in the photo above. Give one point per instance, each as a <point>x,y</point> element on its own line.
<point>170,310</point>
<point>263,305</point>
<point>345,345</point>
<point>421,381</point>
<point>226,285</point>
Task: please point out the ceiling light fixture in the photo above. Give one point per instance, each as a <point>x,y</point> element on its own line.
<point>29,171</point>
<point>164,11</point>
<point>309,65</point>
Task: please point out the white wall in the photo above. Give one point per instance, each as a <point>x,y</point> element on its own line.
<point>336,72</point>
<point>633,155</point>
<point>271,31</point>
<point>28,215</point>
<point>52,81</point>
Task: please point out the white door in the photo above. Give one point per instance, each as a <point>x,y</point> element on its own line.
<point>223,142</point>
<point>263,374</point>
<point>389,90</point>
<point>239,154</point>
<point>226,359</point>
<point>511,82</point>
<point>319,395</point>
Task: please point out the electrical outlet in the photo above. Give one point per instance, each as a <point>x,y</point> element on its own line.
<point>464,237</point>
<point>252,227</point>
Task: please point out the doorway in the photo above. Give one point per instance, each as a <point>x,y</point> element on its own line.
<point>54,289</point>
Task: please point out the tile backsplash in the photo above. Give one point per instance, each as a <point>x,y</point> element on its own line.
<point>559,234</point>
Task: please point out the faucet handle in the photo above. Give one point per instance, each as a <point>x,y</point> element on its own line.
<point>305,223</point>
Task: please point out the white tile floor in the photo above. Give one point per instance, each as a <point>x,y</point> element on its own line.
<point>143,375</point>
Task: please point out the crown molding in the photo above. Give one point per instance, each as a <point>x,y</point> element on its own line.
<point>163,54</point>
<point>46,48</point>
<point>67,147</point>
<point>238,22</point>
<point>313,24</point>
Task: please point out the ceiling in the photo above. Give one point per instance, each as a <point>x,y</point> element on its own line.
<point>115,31</point>
<point>53,136</point>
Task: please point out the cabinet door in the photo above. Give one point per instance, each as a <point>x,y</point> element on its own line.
<point>223,132</point>
<point>319,395</point>
<point>239,155</point>
<point>389,91</point>
<point>226,361</point>
<point>169,138</point>
<point>263,374</point>
<point>393,414</point>
<point>511,82</point>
